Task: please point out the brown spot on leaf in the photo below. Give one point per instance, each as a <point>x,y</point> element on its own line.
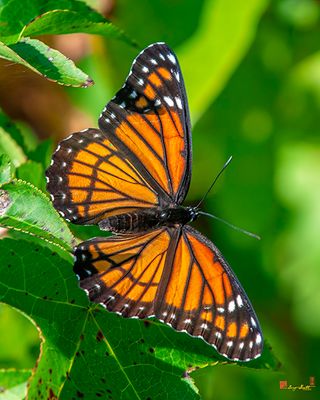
<point>52,396</point>
<point>99,336</point>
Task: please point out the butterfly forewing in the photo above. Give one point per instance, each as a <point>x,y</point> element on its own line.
<point>89,180</point>
<point>178,276</point>
<point>148,120</point>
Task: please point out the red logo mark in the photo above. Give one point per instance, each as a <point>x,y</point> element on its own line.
<point>283,384</point>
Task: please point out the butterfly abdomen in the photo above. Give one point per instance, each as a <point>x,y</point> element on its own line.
<point>148,219</point>
<point>130,222</point>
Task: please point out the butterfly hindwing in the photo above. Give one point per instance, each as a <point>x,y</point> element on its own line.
<point>178,276</point>
<point>123,272</point>
<point>148,120</point>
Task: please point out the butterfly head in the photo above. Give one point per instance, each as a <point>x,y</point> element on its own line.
<point>177,215</point>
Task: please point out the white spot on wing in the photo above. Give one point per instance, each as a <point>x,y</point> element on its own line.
<point>239,301</point>
<point>140,82</point>
<point>133,95</point>
<point>168,100</point>
<point>178,101</point>
<point>258,338</point>
<point>145,69</point>
<point>231,306</point>
<point>253,322</point>
<point>153,61</point>
<point>172,58</point>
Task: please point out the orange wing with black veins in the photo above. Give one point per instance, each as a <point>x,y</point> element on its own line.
<point>178,276</point>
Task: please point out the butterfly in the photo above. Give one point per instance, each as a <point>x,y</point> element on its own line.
<point>131,177</point>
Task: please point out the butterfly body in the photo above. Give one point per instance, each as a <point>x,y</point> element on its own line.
<point>145,220</point>
<point>131,177</point>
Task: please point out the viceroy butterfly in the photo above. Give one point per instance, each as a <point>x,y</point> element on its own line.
<point>131,177</point>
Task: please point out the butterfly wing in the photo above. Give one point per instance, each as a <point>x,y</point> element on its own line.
<point>89,180</point>
<point>178,276</point>
<point>123,272</point>
<point>148,120</point>
<point>140,158</point>
<point>201,295</point>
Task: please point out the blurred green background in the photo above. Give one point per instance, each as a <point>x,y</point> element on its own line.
<point>252,74</point>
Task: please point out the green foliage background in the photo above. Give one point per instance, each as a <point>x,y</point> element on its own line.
<point>252,76</point>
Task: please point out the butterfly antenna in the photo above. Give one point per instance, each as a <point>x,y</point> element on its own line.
<point>215,180</point>
<point>236,228</point>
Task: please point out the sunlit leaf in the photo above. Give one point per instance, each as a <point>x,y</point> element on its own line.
<point>6,169</point>
<point>27,209</point>
<point>13,384</point>
<point>9,147</point>
<point>35,17</point>
<point>48,62</point>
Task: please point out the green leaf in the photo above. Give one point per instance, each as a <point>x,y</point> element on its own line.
<point>27,209</point>
<point>65,21</point>
<point>225,33</point>
<point>32,172</point>
<point>88,352</point>
<point>35,17</point>
<point>42,153</point>
<point>45,61</point>
<point>12,129</point>
<point>9,147</point>
<point>13,384</point>
<point>6,169</point>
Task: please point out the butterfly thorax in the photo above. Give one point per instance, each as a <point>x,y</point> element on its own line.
<point>148,219</point>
